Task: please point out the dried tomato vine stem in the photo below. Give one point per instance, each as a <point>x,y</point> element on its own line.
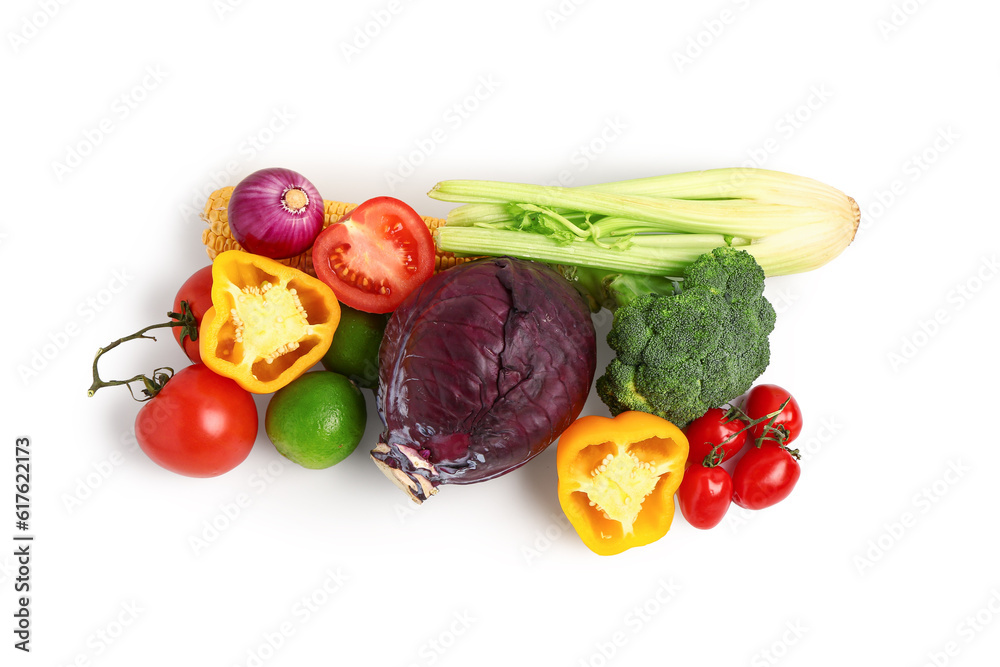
<point>151,385</point>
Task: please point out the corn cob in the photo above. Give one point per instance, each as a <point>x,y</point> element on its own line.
<point>218,238</point>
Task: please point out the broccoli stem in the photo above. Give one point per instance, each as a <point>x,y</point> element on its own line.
<point>612,290</point>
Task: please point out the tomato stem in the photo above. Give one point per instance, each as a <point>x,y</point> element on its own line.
<point>715,456</point>
<point>154,383</point>
<point>733,413</point>
<point>771,432</point>
<point>779,433</point>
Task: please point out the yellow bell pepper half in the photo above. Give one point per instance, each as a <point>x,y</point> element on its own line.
<point>268,324</point>
<point>617,478</point>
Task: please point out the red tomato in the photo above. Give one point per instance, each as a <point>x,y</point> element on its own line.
<point>375,255</point>
<point>199,424</point>
<point>704,495</point>
<point>197,291</point>
<point>764,476</point>
<point>767,398</point>
<point>711,429</point>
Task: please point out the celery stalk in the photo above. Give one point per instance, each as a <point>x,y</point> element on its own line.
<point>653,226</point>
<point>739,217</point>
<point>656,257</point>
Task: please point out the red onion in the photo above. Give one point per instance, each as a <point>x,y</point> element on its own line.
<point>276,213</point>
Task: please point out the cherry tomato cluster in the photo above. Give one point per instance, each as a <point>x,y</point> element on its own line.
<point>769,420</point>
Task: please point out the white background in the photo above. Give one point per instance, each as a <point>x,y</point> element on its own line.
<point>883,553</point>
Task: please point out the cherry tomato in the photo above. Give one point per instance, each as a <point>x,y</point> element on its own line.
<point>767,398</point>
<point>197,291</point>
<point>764,476</point>
<point>199,424</point>
<point>704,495</point>
<point>375,255</point>
<point>711,429</point>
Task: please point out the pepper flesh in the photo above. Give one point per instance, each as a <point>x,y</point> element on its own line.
<point>617,478</point>
<point>268,324</point>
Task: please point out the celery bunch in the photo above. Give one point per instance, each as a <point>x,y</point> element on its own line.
<point>653,226</point>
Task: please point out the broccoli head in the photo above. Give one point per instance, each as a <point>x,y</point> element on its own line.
<point>679,354</point>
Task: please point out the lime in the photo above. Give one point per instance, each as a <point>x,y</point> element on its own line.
<point>316,420</point>
<point>354,350</point>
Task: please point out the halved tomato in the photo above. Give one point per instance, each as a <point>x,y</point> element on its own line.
<point>375,255</point>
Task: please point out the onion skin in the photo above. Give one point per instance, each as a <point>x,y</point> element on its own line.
<point>276,213</point>
<point>481,368</point>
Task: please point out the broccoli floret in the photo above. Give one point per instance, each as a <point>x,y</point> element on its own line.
<point>679,354</point>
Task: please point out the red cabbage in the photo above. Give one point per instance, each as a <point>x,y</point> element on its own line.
<point>480,369</point>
